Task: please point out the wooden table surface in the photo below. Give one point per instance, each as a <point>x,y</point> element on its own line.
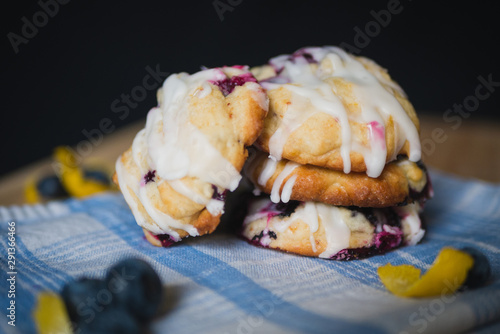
<point>470,149</point>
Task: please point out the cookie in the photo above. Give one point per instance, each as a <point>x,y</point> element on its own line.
<point>335,110</point>
<point>191,151</point>
<point>331,232</point>
<point>401,181</point>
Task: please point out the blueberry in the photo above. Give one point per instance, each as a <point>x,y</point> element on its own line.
<point>78,295</point>
<point>150,176</point>
<point>166,240</point>
<point>110,321</point>
<point>385,241</point>
<point>97,175</point>
<point>259,236</point>
<point>228,84</point>
<point>480,272</point>
<point>217,195</point>
<point>141,289</point>
<point>286,209</point>
<point>50,186</point>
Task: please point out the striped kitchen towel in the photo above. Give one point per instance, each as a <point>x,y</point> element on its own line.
<point>221,284</point>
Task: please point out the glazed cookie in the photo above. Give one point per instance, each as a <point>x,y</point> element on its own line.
<point>401,181</point>
<point>335,110</point>
<point>191,151</point>
<point>331,232</point>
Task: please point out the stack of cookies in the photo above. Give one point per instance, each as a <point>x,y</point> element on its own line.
<point>339,155</point>
<point>336,147</point>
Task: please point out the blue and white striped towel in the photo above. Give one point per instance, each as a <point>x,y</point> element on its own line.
<point>221,284</point>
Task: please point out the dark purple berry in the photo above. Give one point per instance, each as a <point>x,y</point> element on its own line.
<point>150,176</point>
<point>259,236</point>
<point>165,240</point>
<point>385,241</point>
<point>286,209</point>
<point>227,85</point>
<point>272,235</point>
<point>310,59</point>
<point>217,195</point>
<point>303,54</point>
<point>355,254</point>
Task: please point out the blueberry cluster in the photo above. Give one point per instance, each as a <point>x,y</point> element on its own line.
<point>124,302</point>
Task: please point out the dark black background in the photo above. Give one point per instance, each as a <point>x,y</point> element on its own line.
<point>65,78</point>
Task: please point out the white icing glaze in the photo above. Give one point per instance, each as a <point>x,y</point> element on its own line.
<point>267,171</point>
<point>266,239</point>
<point>164,221</point>
<point>256,210</point>
<point>308,213</point>
<point>258,95</point>
<point>215,207</point>
<point>275,192</point>
<point>337,232</point>
<point>124,181</point>
<point>203,91</point>
<point>410,221</point>
<point>311,94</point>
<point>286,193</point>
<point>181,188</point>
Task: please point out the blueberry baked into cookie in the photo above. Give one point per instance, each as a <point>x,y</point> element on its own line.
<point>175,175</point>
<point>339,155</point>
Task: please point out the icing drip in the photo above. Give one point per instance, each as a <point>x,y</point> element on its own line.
<point>312,94</point>
<point>287,189</point>
<point>411,223</point>
<point>309,215</point>
<point>162,219</point>
<point>267,171</point>
<point>186,191</point>
<point>336,230</point>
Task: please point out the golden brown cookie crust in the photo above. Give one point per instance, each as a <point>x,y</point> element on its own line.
<point>333,187</point>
